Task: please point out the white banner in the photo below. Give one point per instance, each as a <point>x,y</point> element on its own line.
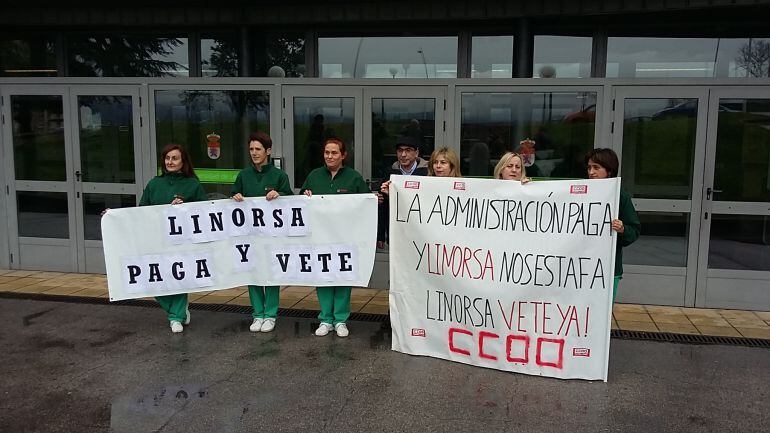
<point>162,250</point>
<point>502,275</point>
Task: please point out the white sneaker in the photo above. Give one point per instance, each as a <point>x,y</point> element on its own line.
<point>256,325</point>
<point>323,329</point>
<point>342,330</point>
<point>176,327</point>
<point>268,325</point>
<point>187,318</point>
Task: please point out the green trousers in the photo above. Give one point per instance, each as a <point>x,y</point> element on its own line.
<point>335,304</point>
<point>615,287</point>
<point>264,301</point>
<point>175,306</point>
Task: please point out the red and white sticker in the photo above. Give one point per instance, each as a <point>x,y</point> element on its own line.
<point>418,332</point>
<point>412,184</point>
<point>581,351</point>
<point>460,186</point>
<point>578,189</point>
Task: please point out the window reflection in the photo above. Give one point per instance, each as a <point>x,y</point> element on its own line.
<point>740,242</point>
<point>559,126</point>
<point>38,137</point>
<point>128,56</point>
<point>213,125</point>
<point>492,57</point>
<point>659,147</point>
<point>388,57</point>
<point>562,57</point>
<point>664,242</point>
<point>280,55</point>
<point>393,119</point>
<point>219,56</point>
<point>630,57</point>
<point>43,214</point>
<point>94,204</point>
<point>315,120</point>
<point>106,131</point>
<point>742,166</point>
<point>28,57</point>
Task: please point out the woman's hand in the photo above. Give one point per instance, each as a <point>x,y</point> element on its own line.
<point>525,180</point>
<point>385,187</point>
<point>618,226</point>
<point>177,200</point>
<point>238,197</point>
<point>104,212</point>
<point>273,194</point>
<point>308,193</point>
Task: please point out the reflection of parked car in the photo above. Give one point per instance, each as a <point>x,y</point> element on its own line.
<point>684,109</point>
<point>587,114</point>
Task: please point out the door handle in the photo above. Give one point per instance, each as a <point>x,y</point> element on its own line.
<point>709,190</point>
<point>77,175</point>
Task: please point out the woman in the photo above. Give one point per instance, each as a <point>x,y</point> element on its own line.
<point>334,178</point>
<point>261,179</point>
<point>602,164</point>
<point>176,185</point>
<point>511,167</point>
<point>444,162</point>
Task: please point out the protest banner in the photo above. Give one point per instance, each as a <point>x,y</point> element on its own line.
<point>502,275</point>
<point>215,245</point>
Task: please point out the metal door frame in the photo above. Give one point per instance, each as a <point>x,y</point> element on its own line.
<point>718,297</point>
<point>97,187</point>
<point>13,186</point>
<point>644,291</point>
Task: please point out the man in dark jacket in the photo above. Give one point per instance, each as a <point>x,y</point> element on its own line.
<point>408,163</point>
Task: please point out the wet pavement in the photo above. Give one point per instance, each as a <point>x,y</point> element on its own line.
<point>94,368</point>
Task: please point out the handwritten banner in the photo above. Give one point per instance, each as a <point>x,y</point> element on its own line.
<point>503,275</point>
<point>215,245</point>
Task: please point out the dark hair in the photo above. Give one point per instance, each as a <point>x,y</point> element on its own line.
<point>263,138</point>
<point>187,167</point>
<point>339,142</point>
<point>606,158</point>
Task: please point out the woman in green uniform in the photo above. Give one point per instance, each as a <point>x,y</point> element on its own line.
<point>602,164</point>
<point>261,179</point>
<point>334,178</point>
<point>177,184</point>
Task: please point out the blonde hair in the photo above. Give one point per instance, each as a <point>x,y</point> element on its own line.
<point>451,157</point>
<point>505,160</point>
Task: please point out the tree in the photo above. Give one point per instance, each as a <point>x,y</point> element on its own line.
<point>754,58</point>
<point>123,56</point>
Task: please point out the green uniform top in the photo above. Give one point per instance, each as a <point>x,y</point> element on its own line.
<point>347,181</point>
<point>162,189</point>
<point>253,183</point>
<point>632,228</point>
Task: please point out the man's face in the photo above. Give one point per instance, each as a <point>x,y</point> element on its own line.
<point>407,155</point>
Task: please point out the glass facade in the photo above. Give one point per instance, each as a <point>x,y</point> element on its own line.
<point>116,55</point>
<point>38,137</point>
<point>106,132</point>
<point>553,130</point>
<point>562,57</point>
<point>659,140</point>
<point>315,120</point>
<point>492,57</point>
<point>740,242</point>
<point>637,57</point>
<point>214,126</point>
<point>94,204</point>
<point>220,56</point>
<point>280,55</point>
<point>28,57</point>
<point>43,214</point>
<point>388,57</point>
<point>664,240</point>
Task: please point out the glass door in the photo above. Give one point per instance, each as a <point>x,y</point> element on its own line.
<point>415,114</point>
<point>313,114</point>
<point>40,175</point>
<point>106,160</point>
<point>734,259</point>
<point>659,135</point>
